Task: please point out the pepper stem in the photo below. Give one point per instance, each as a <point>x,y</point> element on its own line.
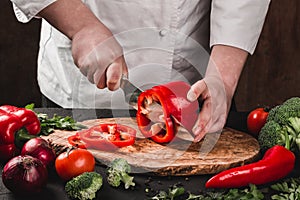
<point>22,136</point>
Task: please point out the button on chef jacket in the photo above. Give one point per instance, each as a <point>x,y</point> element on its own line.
<point>162,40</point>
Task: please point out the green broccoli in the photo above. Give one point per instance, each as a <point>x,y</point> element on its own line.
<point>84,186</point>
<point>281,113</point>
<point>118,171</point>
<point>282,126</point>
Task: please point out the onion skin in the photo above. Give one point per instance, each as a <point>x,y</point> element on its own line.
<point>39,148</point>
<point>24,175</point>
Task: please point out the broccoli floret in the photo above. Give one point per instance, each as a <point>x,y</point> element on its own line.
<point>84,186</point>
<point>282,113</point>
<point>270,135</point>
<point>118,171</point>
<point>282,126</point>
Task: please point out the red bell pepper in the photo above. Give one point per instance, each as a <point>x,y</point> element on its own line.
<point>28,118</point>
<point>107,136</point>
<point>276,163</point>
<point>12,121</point>
<point>75,141</point>
<point>172,99</point>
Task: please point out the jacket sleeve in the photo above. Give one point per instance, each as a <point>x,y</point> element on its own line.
<point>25,10</point>
<point>237,23</point>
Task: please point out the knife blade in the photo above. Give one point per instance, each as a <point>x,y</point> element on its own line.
<point>131,92</point>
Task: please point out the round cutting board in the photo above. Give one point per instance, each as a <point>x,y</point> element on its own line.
<point>215,153</point>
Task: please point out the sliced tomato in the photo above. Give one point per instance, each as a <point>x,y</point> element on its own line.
<point>108,136</point>
<point>75,141</point>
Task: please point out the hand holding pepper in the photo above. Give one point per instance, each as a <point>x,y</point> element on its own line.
<point>217,89</point>
<point>171,99</point>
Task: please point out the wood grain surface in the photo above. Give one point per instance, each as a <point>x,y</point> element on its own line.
<point>215,153</point>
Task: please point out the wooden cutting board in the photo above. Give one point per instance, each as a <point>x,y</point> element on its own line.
<point>215,153</point>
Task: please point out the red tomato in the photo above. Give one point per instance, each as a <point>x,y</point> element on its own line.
<point>108,136</point>
<point>73,163</point>
<point>75,141</point>
<point>256,120</point>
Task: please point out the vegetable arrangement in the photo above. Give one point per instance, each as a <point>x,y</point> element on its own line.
<point>276,164</point>
<point>282,126</point>
<point>170,101</point>
<point>28,156</point>
<point>279,139</point>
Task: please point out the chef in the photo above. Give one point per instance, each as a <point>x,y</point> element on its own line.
<point>87,46</point>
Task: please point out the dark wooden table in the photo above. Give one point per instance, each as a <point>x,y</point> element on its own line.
<point>55,187</point>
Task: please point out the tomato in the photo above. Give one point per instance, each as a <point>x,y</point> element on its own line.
<point>75,141</point>
<point>256,120</point>
<point>108,136</point>
<point>73,163</point>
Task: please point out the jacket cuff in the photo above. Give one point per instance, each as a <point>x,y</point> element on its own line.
<point>238,23</point>
<point>26,10</point>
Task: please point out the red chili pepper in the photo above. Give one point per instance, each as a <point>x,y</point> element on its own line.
<point>12,120</point>
<point>276,163</point>
<point>172,98</point>
<point>108,136</point>
<point>75,141</point>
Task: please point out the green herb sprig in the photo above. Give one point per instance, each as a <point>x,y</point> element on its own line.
<point>48,125</point>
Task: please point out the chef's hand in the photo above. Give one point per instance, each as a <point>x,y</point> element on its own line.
<point>99,56</point>
<point>216,89</point>
<point>95,51</point>
<point>214,110</point>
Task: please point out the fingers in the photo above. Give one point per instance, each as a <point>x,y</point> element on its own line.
<point>196,90</point>
<point>99,57</point>
<point>213,114</point>
<point>111,77</point>
<point>203,122</point>
<point>199,89</point>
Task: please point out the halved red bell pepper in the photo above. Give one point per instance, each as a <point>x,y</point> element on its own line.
<point>108,136</point>
<point>172,98</point>
<point>277,163</point>
<point>12,121</point>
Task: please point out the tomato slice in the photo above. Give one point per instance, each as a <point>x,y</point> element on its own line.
<point>108,136</point>
<point>75,141</point>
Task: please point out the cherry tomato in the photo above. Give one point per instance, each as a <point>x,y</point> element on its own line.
<point>108,136</point>
<point>72,163</point>
<point>75,141</point>
<point>256,120</point>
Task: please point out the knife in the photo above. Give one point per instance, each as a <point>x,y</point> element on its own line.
<point>132,92</point>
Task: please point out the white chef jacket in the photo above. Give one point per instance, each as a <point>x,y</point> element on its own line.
<point>163,40</point>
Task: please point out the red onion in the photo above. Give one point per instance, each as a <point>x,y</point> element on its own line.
<point>24,175</point>
<point>39,148</point>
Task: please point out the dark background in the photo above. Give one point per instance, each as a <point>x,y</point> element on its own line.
<point>270,76</point>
